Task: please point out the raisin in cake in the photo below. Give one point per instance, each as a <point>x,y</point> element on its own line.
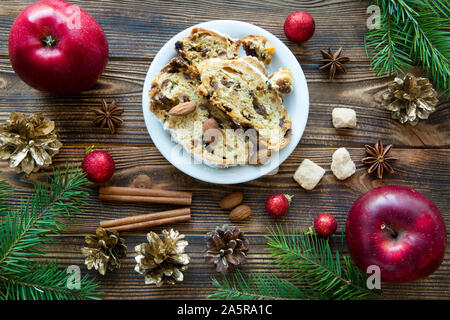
<point>205,44</point>
<point>282,81</point>
<point>247,96</point>
<point>259,47</point>
<point>177,83</point>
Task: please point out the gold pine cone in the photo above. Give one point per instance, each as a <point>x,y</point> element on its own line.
<point>29,143</point>
<point>162,260</point>
<point>410,99</point>
<point>104,251</point>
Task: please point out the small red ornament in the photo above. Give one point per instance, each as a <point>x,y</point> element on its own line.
<point>98,166</point>
<point>277,204</point>
<point>299,26</point>
<point>325,225</point>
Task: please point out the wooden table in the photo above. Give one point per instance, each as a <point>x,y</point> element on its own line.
<point>136,30</point>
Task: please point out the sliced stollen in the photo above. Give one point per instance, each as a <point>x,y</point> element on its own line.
<point>245,94</point>
<point>175,102</point>
<point>205,44</point>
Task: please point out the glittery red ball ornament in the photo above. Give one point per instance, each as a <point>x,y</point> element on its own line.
<point>299,26</point>
<point>325,225</point>
<point>277,204</point>
<point>98,166</point>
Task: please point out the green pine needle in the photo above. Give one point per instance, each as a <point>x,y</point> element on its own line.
<point>25,233</point>
<point>412,32</point>
<point>5,193</point>
<point>258,286</point>
<point>314,272</point>
<point>45,281</point>
<point>310,260</point>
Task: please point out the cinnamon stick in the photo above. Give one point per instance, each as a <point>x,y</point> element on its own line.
<point>130,191</point>
<point>146,217</point>
<point>148,224</point>
<point>130,194</point>
<point>177,201</point>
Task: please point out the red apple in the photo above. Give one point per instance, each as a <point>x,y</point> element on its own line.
<point>397,229</point>
<point>57,47</point>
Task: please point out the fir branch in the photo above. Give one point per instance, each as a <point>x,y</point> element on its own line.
<point>258,286</point>
<point>382,44</point>
<point>27,230</point>
<point>412,32</point>
<point>45,282</point>
<point>310,260</point>
<point>5,196</point>
<point>315,273</point>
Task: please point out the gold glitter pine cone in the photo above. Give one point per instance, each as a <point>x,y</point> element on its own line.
<point>29,143</point>
<point>104,251</point>
<point>162,260</point>
<point>226,247</point>
<point>410,99</point>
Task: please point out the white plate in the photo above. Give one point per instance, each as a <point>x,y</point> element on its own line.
<point>297,104</point>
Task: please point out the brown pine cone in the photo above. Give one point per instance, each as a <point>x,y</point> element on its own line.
<point>226,247</point>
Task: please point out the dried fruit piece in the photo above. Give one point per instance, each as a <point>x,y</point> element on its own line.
<point>182,109</point>
<point>231,200</point>
<point>240,213</point>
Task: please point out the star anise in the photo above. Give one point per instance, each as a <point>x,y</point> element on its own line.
<point>333,61</point>
<point>108,116</point>
<point>378,159</point>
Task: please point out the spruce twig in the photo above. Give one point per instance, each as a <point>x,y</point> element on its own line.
<point>259,286</point>
<point>26,231</point>
<point>412,32</point>
<point>314,272</point>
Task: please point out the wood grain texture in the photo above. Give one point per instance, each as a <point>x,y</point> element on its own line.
<point>123,81</point>
<point>125,283</point>
<point>136,30</point>
<point>424,170</point>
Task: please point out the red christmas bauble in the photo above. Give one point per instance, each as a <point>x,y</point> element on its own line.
<point>299,26</point>
<point>277,204</point>
<point>325,225</point>
<point>98,166</point>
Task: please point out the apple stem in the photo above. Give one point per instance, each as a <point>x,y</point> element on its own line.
<point>49,41</point>
<point>391,231</point>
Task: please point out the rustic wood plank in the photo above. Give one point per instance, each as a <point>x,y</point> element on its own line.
<point>138,29</point>
<point>360,89</point>
<point>424,170</point>
<point>125,283</point>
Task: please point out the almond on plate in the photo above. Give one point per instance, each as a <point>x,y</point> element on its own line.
<point>182,109</point>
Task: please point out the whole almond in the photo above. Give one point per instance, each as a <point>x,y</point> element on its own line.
<point>182,109</point>
<point>231,200</point>
<point>211,123</point>
<point>240,213</point>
